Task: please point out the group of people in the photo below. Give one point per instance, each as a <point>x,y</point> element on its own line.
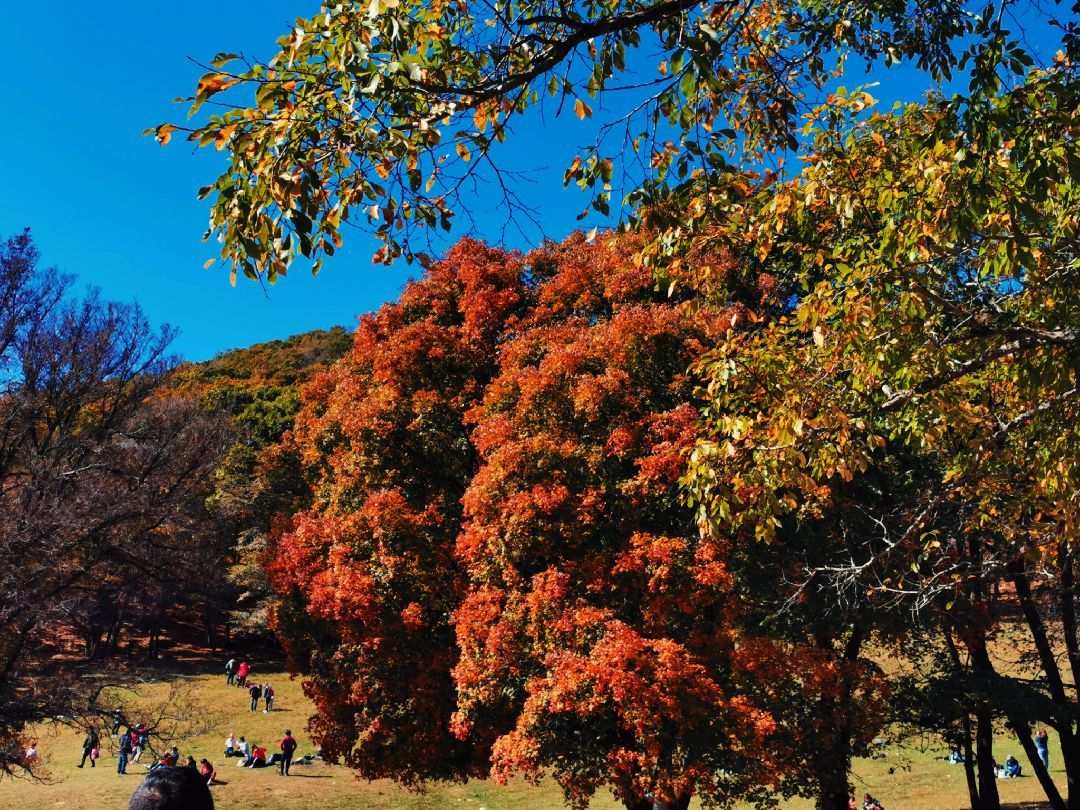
<point>255,756</point>
<point>130,744</point>
<point>236,674</point>
<point>1012,768</point>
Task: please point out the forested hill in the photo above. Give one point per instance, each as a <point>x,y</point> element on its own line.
<point>275,363</point>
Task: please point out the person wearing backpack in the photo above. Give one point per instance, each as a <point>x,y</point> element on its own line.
<point>288,746</point>
<point>268,696</point>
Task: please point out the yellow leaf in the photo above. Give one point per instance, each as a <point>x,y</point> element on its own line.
<point>463,152</point>
<point>581,109</point>
<point>223,136</point>
<point>163,133</point>
<point>208,263</point>
<point>214,83</point>
<point>819,337</point>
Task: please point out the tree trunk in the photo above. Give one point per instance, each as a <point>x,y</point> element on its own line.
<point>984,756</point>
<point>1023,733</point>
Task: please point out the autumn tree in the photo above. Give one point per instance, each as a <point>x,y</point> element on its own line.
<point>367,574</point>
<point>928,327</point>
<point>99,475</point>
<point>382,114</point>
<point>597,634</point>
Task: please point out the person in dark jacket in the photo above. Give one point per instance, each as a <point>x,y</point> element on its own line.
<point>89,743</point>
<point>125,752</point>
<point>255,691</point>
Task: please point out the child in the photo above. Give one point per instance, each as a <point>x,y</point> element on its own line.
<point>206,771</point>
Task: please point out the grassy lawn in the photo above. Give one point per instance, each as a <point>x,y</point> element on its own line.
<point>907,779</point>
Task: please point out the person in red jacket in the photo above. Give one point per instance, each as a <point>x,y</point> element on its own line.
<point>242,673</point>
<point>288,746</point>
<point>206,771</point>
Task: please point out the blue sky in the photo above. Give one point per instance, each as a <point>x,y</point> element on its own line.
<point>119,211</point>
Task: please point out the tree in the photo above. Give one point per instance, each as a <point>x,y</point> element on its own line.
<point>496,570</point>
<point>927,326</point>
<point>98,475</point>
<point>379,114</point>
<point>367,573</point>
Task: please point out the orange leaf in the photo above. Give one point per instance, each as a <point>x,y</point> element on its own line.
<point>163,133</point>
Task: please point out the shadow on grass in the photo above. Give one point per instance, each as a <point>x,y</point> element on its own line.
<point>327,776</point>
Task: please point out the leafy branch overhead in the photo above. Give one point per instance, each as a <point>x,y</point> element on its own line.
<point>382,114</point>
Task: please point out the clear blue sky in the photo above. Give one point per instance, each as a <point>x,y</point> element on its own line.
<point>119,211</point>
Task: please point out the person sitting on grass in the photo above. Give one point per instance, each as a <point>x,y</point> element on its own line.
<point>172,789</point>
<point>1012,768</point>
<point>230,745</point>
<point>257,753</point>
<point>870,803</point>
<point>242,749</point>
<point>206,771</point>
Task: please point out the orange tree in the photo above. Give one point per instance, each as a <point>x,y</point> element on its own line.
<point>368,571</point>
<point>497,570</point>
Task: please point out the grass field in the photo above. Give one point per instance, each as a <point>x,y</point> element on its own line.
<point>904,779</point>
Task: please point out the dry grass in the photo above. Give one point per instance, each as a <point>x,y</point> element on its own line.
<point>908,779</point>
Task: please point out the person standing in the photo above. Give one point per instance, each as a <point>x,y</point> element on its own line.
<point>125,752</point>
<point>89,743</point>
<point>288,746</point>
<point>255,691</point>
<point>1042,747</point>
<point>242,673</point>
<point>268,697</point>
<point>230,672</point>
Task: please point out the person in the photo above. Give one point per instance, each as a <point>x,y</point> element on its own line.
<point>288,746</point>
<point>870,803</point>
<point>1012,768</point>
<point>90,744</point>
<point>172,789</point>
<point>955,757</point>
<point>124,752</point>
<point>255,691</point>
<point>230,745</point>
<point>170,759</point>
<point>30,757</point>
<point>206,771</point>
<point>117,721</point>
<point>268,697</point>
<point>1042,747</point>
<point>243,749</point>
<point>257,758</point>
<point>242,673</point>
<point>230,672</point>
<point>136,751</point>
<point>144,740</point>
<point>191,763</point>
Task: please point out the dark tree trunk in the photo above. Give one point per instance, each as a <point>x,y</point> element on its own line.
<point>984,757</point>
<point>1023,733</point>
<point>968,749</point>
